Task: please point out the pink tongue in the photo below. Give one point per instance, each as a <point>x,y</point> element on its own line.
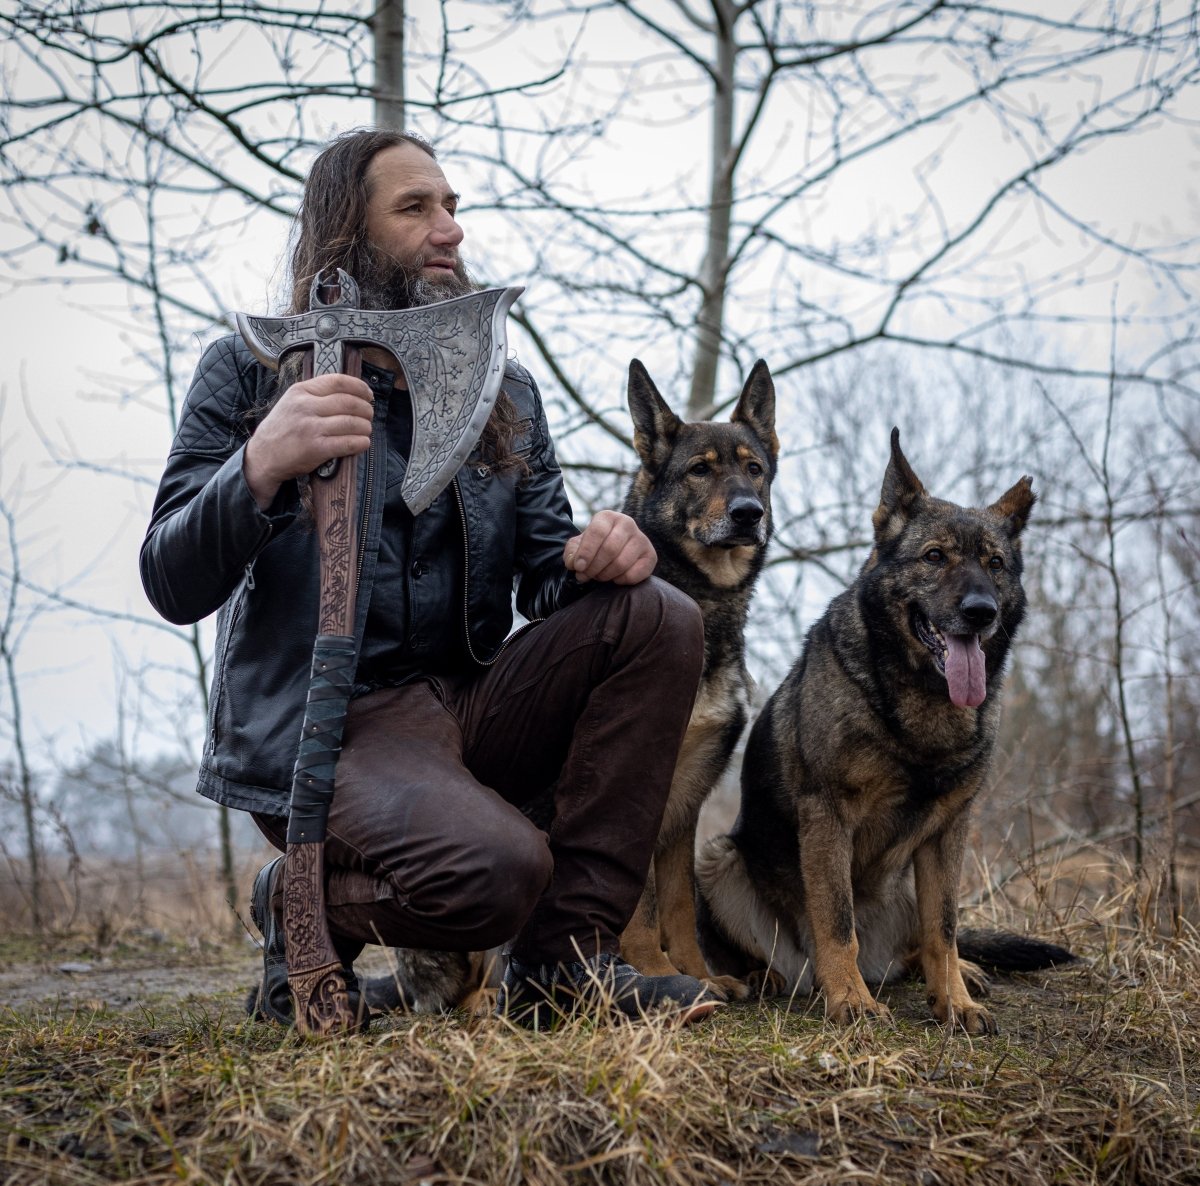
<point>965,670</point>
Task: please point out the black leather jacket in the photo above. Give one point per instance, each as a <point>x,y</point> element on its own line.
<point>210,548</point>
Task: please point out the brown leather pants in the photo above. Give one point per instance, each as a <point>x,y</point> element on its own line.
<point>426,844</point>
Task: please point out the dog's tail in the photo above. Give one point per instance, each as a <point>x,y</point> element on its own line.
<point>1002,951</point>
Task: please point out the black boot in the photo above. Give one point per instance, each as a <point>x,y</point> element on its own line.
<point>272,999</point>
<point>540,996</point>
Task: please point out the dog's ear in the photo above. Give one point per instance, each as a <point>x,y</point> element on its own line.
<point>655,426</point>
<point>901,489</point>
<point>1014,505</point>
<point>756,407</point>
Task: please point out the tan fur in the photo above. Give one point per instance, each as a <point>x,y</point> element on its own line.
<point>741,911</point>
<point>694,482</point>
<point>671,945</point>
<point>726,568</point>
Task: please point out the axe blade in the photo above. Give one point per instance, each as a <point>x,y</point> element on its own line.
<point>454,367</point>
<point>452,354</point>
<point>270,338</point>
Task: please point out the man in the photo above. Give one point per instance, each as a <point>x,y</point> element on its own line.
<point>452,726</point>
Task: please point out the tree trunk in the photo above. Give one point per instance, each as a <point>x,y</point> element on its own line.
<point>711,318</point>
<point>23,778</point>
<point>388,26</point>
<point>32,854</point>
<point>228,873</point>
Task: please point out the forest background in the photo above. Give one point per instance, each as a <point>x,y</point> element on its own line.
<point>973,221</point>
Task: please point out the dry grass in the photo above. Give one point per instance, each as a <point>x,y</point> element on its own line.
<point>1093,1079</point>
<point>109,899</point>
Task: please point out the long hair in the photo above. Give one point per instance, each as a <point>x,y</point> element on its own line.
<point>331,226</point>
<point>330,232</point>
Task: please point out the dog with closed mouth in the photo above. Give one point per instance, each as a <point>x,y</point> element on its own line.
<point>702,495</point>
<point>842,870</point>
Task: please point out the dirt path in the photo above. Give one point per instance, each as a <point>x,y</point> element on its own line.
<point>130,980</point>
<point>120,984</point>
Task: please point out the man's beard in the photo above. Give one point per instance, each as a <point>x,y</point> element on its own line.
<point>387,282</point>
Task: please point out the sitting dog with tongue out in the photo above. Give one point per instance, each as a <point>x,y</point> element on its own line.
<point>842,870</point>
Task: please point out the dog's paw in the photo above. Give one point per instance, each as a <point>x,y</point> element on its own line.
<point>850,1007</point>
<point>975,978</point>
<point>976,1020</point>
<point>965,1015</point>
<point>480,1002</point>
<point>728,988</point>
<point>766,982</point>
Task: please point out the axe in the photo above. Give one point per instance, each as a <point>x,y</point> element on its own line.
<point>452,354</point>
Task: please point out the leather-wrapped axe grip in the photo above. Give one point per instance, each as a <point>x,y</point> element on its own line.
<point>315,975</point>
<point>321,737</point>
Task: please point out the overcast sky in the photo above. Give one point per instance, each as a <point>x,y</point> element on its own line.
<point>79,420</point>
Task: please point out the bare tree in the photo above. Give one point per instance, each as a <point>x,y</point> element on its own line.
<point>21,606</point>
<point>18,779</point>
<point>387,27</point>
<point>899,205</point>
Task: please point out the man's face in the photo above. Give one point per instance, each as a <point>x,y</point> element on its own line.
<point>414,238</point>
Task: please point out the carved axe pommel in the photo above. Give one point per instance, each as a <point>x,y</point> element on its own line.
<point>452,354</point>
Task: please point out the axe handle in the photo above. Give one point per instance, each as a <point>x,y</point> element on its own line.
<point>315,974</point>
<point>335,510</point>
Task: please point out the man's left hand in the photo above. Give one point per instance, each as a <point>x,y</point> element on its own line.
<point>611,548</point>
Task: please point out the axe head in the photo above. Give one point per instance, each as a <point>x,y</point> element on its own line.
<point>452,354</point>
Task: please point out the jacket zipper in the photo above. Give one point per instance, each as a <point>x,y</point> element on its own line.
<point>219,686</point>
<point>268,535</point>
<point>462,514</point>
<point>362,521</point>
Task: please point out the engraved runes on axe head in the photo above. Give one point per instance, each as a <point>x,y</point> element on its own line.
<point>452,354</point>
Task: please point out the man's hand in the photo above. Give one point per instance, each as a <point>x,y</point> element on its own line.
<point>611,548</point>
<point>323,417</point>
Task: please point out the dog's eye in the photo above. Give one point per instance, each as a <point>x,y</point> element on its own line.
<point>699,469</point>
<point>935,556</point>
<point>996,563</point>
<point>754,469</point>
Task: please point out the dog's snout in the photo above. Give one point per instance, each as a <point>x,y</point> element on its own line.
<point>745,511</point>
<point>979,609</point>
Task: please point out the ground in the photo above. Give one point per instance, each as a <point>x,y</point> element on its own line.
<point>142,1067</point>
<point>144,968</point>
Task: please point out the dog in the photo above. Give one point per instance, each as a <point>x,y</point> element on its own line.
<point>859,774</point>
<point>702,495</point>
